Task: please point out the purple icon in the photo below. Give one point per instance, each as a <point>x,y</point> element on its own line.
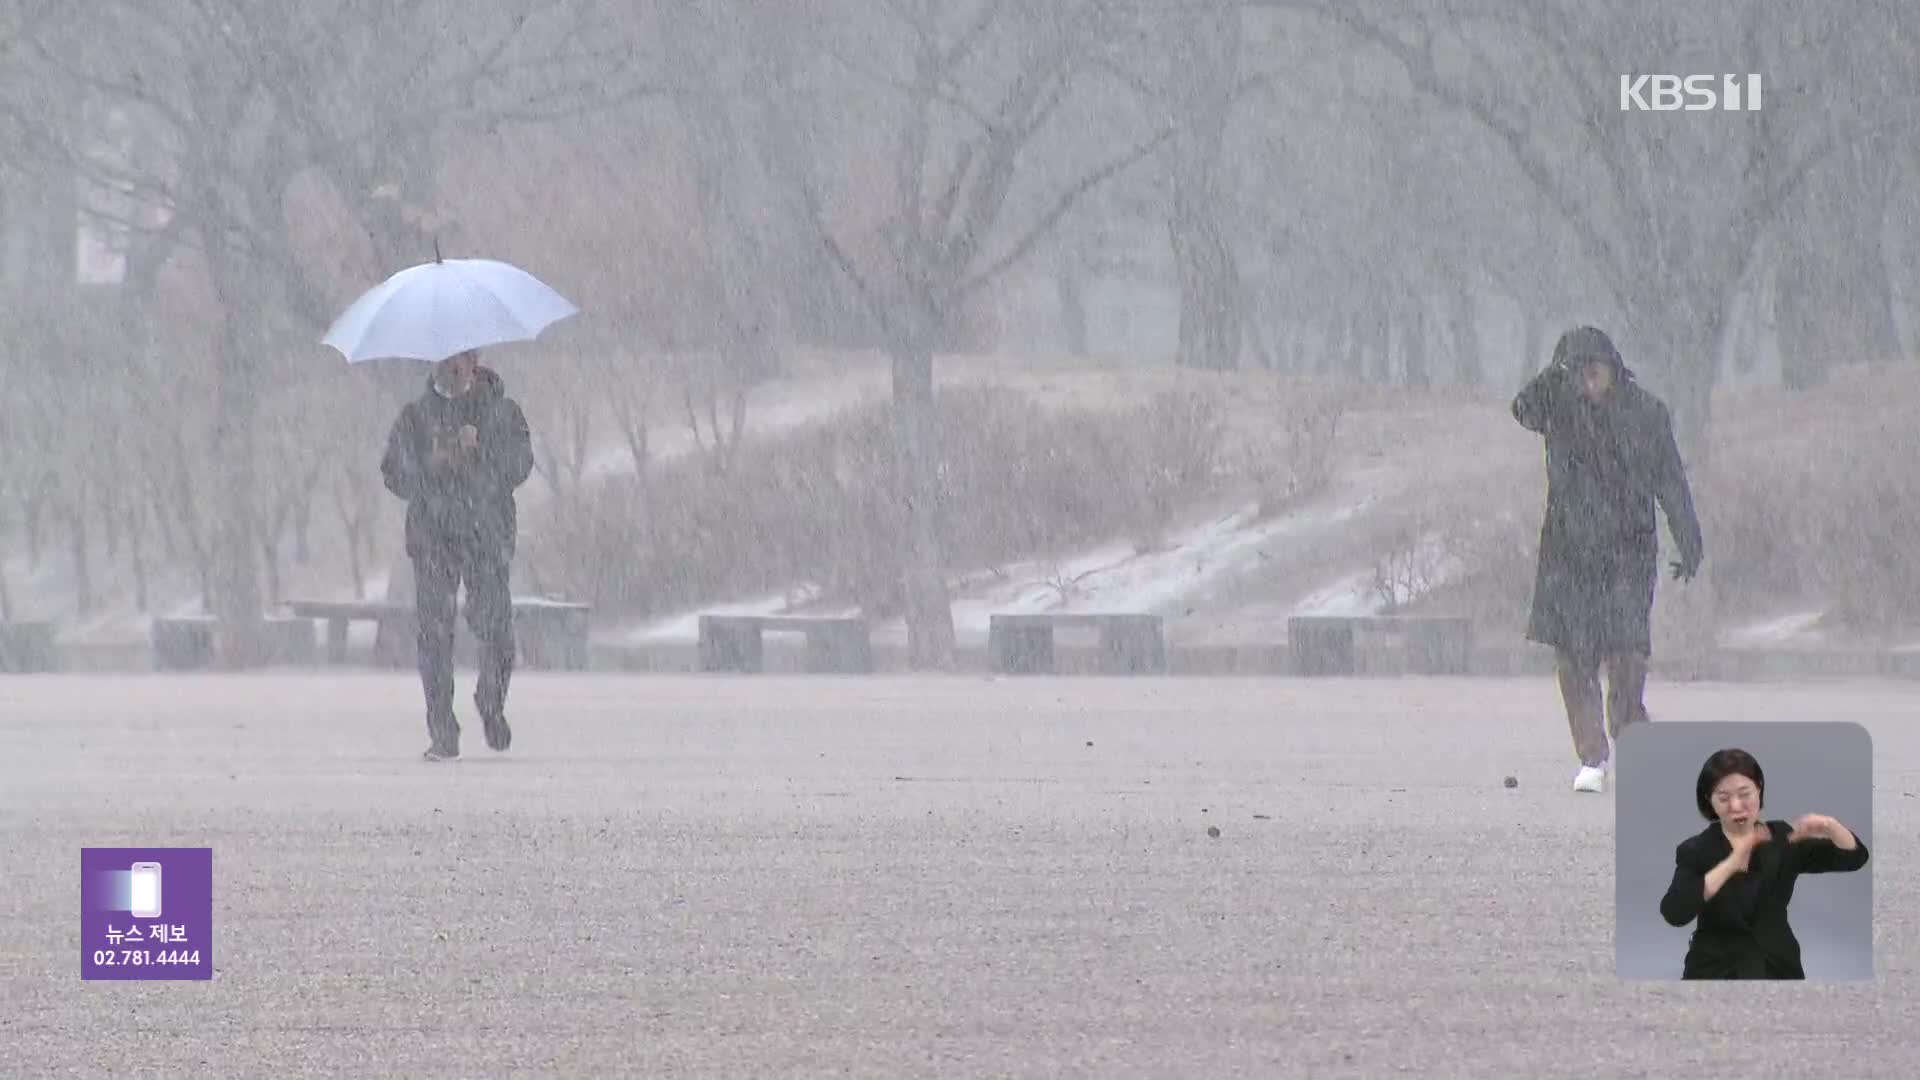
<point>146,913</point>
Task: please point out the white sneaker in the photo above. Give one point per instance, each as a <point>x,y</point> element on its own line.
<point>1590,779</point>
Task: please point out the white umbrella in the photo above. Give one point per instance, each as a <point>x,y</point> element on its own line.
<point>437,309</point>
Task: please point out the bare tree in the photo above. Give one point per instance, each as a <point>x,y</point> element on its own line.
<point>955,160</point>
<point>242,106</point>
<point>1668,215</point>
<point>1203,83</point>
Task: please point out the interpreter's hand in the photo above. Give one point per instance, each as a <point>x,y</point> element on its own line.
<point>1813,827</point>
<point>1745,840</point>
<point>469,437</point>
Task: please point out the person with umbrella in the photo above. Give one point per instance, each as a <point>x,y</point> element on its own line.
<point>456,454</point>
<point>1611,456</point>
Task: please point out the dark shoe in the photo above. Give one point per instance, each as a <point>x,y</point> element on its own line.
<point>499,735</point>
<point>437,752</point>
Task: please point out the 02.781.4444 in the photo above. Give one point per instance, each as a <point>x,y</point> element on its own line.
<point>143,957</point>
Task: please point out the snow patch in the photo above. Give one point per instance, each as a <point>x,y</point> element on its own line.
<point>685,626</point>
<point>1352,595</point>
<point>1780,630</point>
<point>1115,578</point>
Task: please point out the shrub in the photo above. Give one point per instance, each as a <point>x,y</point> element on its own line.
<point>828,505</point>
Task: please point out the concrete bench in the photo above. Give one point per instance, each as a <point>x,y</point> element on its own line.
<point>837,644</point>
<point>1324,645</point>
<point>1130,644</point>
<point>191,642</point>
<point>26,647</point>
<point>548,634</point>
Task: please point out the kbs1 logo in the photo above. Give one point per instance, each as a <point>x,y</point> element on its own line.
<point>1693,93</point>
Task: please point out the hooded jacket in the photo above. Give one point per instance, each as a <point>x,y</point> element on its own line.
<point>1608,465</point>
<point>457,498</point>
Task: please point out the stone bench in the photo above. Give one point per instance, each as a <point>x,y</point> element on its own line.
<point>191,642</point>
<point>835,643</point>
<point>548,634</point>
<point>26,647</point>
<point>1130,644</point>
<point>1328,645</point>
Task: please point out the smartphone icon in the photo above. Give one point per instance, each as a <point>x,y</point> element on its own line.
<point>146,890</point>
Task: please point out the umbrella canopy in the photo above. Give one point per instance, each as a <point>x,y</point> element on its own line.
<point>437,309</point>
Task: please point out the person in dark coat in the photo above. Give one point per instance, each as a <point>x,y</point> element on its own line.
<point>1611,456</point>
<point>1736,877</point>
<point>456,454</point>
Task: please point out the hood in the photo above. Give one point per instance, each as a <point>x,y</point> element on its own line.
<point>487,385</point>
<point>1586,344</point>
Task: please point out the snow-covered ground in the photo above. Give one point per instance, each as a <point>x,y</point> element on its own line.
<point>1110,578</point>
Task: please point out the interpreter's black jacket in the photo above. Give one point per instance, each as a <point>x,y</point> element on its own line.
<point>1742,932</point>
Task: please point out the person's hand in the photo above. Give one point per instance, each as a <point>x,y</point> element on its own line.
<point>1745,840</point>
<point>1686,567</point>
<point>469,437</point>
<point>1813,827</point>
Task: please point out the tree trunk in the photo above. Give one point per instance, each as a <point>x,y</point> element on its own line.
<point>110,518</point>
<point>303,524</point>
<point>1257,343</point>
<point>137,558</point>
<point>1466,339</point>
<point>929,613</point>
<point>1355,369</point>
<point>399,575</point>
<point>163,521</point>
<point>270,559</point>
<point>1418,375</point>
<point>236,583</point>
<point>355,567</point>
<point>1071,287</point>
<point>706,57</point>
<point>35,513</point>
<point>1210,302</point>
<point>82,563</point>
<point>1206,62</point>
<point>1379,343</point>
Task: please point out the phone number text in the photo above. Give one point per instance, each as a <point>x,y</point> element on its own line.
<point>144,957</point>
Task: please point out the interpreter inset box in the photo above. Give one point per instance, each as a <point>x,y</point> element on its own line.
<point>1742,851</point>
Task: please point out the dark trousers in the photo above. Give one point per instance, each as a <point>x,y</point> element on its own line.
<point>1591,717</point>
<point>438,575</point>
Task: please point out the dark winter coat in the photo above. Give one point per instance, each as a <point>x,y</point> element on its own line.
<point>1607,465</point>
<point>465,501</point>
<point>1742,933</point>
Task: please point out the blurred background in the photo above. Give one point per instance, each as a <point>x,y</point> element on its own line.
<point>935,308</point>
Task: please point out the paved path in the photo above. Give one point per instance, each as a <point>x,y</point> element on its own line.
<point>893,878</point>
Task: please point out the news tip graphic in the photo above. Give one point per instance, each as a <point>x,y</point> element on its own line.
<point>146,913</point>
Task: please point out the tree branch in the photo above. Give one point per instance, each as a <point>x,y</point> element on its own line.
<point>1059,209</point>
<point>1419,66</point>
